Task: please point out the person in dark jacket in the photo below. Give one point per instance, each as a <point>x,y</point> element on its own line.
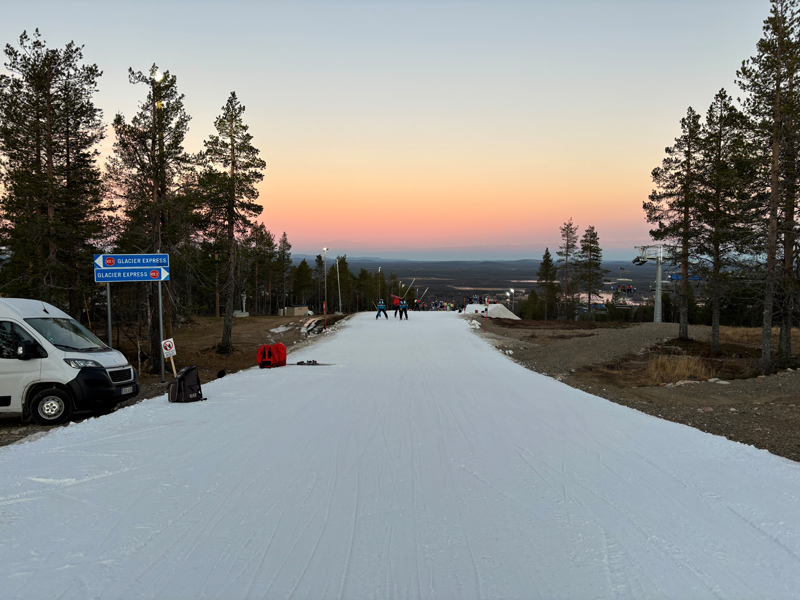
<point>381,309</point>
<point>403,309</point>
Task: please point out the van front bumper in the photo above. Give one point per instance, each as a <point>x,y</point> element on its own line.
<point>92,389</point>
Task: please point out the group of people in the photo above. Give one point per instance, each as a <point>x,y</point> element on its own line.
<point>624,289</point>
<point>400,305</point>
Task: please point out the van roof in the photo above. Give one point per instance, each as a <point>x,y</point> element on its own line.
<point>23,308</point>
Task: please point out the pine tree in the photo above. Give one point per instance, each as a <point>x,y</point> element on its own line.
<point>303,281</point>
<point>768,79</point>
<point>51,209</point>
<point>727,172</point>
<point>566,254</point>
<point>150,174</point>
<point>263,249</point>
<point>589,266</point>
<point>366,288</point>
<point>233,168</point>
<point>283,263</point>
<point>673,205</point>
<point>546,278</point>
<point>343,279</point>
<point>319,277</point>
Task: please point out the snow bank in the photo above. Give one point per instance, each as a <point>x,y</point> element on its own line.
<point>496,311</point>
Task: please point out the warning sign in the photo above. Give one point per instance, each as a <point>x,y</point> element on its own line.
<point>168,346</point>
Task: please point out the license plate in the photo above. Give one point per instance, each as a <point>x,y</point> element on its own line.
<point>127,390</point>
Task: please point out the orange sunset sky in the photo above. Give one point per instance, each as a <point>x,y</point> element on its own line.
<point>429,130</point>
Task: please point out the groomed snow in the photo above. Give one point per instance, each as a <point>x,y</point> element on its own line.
<point>424,464</point>
<point>496,311</point>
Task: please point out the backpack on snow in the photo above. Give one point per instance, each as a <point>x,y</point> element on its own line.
<point>271,356</point>
<point>186,386</point>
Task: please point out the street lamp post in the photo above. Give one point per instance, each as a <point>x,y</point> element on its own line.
<point>339,284</point>
<point>156,78</point>
<point>325,302</point>
<point>379,284</point>
<point>512,300</point>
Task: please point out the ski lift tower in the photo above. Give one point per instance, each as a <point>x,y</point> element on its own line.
<point>657,254</point>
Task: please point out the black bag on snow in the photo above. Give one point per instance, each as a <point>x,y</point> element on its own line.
<point>186,386</point>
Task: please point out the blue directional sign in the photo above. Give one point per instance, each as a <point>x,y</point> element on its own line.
<point>126,275</point>
<point>129,261</point>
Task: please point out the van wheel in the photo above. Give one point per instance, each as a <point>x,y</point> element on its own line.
<point>51,407</point>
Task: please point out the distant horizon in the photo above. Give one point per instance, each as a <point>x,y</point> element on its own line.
<point>407,256</point>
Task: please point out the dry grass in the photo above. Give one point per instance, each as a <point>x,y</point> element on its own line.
<point>751,336</point>
<point>665,369</point>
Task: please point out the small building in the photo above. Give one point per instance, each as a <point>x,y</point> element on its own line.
<point>296,310</point>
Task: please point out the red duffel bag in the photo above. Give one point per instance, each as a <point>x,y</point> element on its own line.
<point>269,356</point>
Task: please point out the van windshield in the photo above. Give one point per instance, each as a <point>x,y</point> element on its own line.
<point>67,334</point>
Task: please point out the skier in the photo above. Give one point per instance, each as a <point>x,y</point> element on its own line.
<point>381,309</point>
<point>403,309</point>
<point>396,303</point>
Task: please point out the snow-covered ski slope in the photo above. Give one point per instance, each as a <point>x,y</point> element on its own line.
<point>424,464</point>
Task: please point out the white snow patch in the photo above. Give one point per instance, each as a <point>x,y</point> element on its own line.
<point>54,481</point>
<point>496,311</point>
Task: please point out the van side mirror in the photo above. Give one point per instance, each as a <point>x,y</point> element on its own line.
<point>27,350</point>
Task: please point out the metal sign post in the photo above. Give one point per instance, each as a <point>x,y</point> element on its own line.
<point>168,348</point>
<point>161,326</point>
<point>121,268</point>
<point>108,304</point>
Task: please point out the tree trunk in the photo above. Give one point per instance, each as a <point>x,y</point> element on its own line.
<point>715,294</point>
<point>167,290</point>
<point>789,286</point>
<point>566,285</point>
<point>152,328</point>
<point>683,326</point>
<point>772,238</point>
<point>226,345</point>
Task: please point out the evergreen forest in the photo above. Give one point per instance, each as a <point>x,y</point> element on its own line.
<point>59,206</point>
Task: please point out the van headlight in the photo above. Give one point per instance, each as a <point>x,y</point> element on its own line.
<point>81,363</point>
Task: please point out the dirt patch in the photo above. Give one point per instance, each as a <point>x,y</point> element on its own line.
<point>613,363</point>
<point>194,342</point>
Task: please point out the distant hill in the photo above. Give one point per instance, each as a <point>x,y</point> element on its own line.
<point>453,279</point>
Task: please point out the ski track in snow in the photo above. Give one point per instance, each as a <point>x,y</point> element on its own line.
<point>422,464</point>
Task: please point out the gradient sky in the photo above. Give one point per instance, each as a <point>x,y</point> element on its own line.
<point>428,130</point>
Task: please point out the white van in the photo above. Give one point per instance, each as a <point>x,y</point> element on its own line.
<point>51,365</point>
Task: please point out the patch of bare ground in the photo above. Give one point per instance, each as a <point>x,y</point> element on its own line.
<point>644,366</point>
<point>195,342</point>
